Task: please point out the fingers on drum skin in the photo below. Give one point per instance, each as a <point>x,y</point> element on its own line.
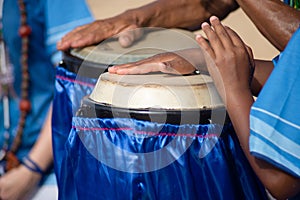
<point>112,69</point>
<point>135,69</point>
<point>117,69</point>
<point>138,68</point>
<point>128,69</point>
<point>180,65</point>
<point>126,40</point>
<point>85,40</point>
<point>128,36</point>
<point>66,40</point>
<point>81,36</point>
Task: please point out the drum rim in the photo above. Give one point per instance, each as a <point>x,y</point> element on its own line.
<point>110,111</point>
<point>73,64</point>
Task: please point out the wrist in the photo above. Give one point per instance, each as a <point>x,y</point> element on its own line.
<point>32,166</point>
<point>220,9</point>
<point>142,16</point>
<point>35,177</point>
<point>236,98</point>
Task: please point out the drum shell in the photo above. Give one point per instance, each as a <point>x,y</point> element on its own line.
<point>92,109</point>
<point>82,67</point>
<point>78,72</point>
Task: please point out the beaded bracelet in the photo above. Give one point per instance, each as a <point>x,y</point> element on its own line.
<point>32,166</point>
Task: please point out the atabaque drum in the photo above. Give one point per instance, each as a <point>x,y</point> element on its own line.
<point>156,136</point>
<point>80,68</point>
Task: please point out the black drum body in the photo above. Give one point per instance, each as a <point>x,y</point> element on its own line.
<point>79,65</point>
<point>90,109</point>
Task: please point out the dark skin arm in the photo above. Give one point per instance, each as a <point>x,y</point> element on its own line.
<point>229,62</point>
<point>162,13</point>
<point>262,71</point>
<point>274,19</point>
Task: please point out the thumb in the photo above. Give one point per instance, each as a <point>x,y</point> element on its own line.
<point>129,36</point>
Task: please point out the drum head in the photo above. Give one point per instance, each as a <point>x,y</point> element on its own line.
<point>94,60</point>
<point>154,41</point>
<point>161,91</point>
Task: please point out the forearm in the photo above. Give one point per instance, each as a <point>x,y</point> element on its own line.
<point>180,13</point>
<point>262,71</point>
<point>275,20</point>
<point>41,152</point>
<point>279,183</point>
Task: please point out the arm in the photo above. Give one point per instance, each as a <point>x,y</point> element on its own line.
<point>161,13</point>
<point>185,62</point>
<point>20,181</point>
<point>41,152</point>
<point>182,14</point>
<point>275,20</point>
<point>230,69</point>
<point>262,71</point>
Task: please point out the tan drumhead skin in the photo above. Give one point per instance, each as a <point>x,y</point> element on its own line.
<point>153,42</point>
<point>156,91</point>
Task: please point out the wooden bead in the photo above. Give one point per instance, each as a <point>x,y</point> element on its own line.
<point>25,76</point>
<point>25,105</point>
<point>24,85</point>
<point>24,31</point>
<point>12,161</point>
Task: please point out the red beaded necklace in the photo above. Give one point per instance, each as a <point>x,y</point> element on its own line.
<point>24,105</point>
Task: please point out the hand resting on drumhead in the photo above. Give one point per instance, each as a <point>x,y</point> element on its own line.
<point>161,13</point>
<point>122,28</point>
<point>178,62</point>
<point>229,66</point>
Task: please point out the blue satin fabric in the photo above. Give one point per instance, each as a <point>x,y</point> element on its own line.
<point>104,160</point>
<point>69,90</point>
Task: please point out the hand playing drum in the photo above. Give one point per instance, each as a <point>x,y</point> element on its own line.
<point>162,13</point>
<point>98,31</point>
<point>178,62</point>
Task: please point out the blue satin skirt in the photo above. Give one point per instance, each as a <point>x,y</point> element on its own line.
<point>69,90</point>
<point>123,158</point>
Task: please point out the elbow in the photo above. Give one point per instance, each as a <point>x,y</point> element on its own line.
<point>284,188</point>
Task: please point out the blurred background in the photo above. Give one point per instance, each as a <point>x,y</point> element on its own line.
<point>237,20</point>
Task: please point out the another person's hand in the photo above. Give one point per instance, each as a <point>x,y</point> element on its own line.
<point>229,59</point>
<point>177,14</point>
<point>124,28</point>
<point>179,62</point>
<point>18,183</point>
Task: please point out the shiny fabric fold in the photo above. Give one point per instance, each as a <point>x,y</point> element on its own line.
<point>124,158</point>
<point>69,90</point>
